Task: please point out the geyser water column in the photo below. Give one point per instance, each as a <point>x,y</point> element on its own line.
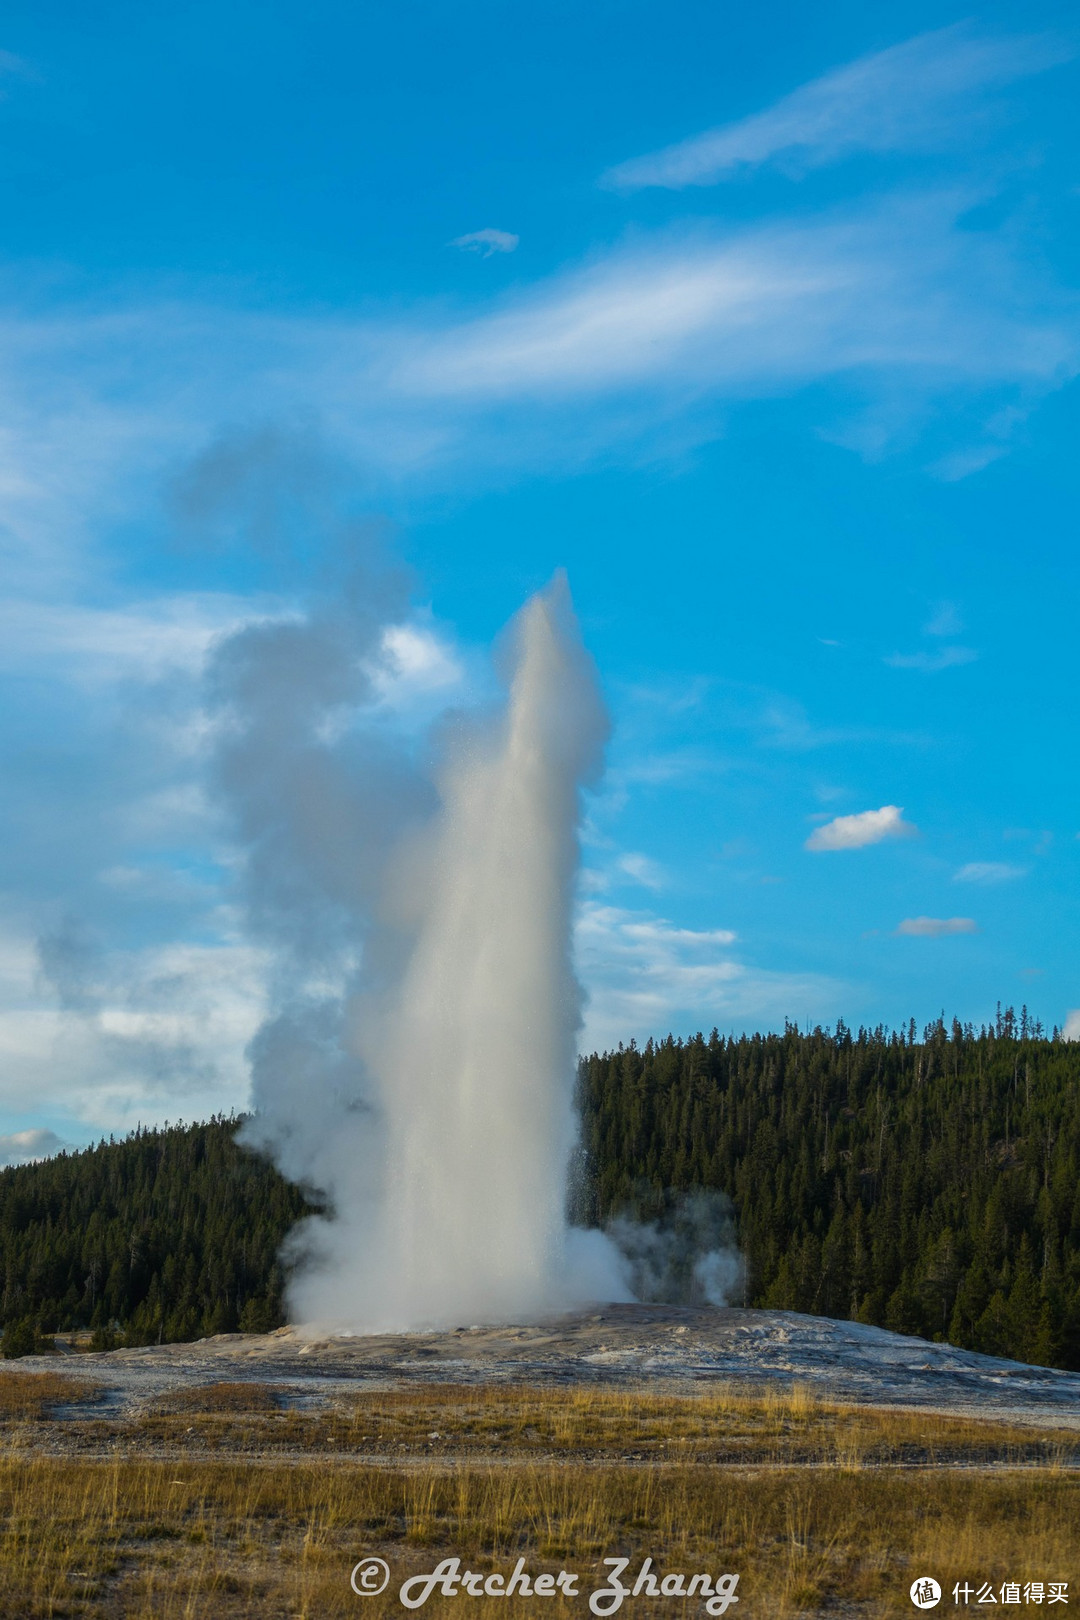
<point>476,1079</point>
<point>471,1053</point>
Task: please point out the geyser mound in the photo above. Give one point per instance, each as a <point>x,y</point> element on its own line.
<point>434,1106</point>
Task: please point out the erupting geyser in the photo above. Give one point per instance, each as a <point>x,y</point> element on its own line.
<point>476,1067</point>
<point>443,1134</point>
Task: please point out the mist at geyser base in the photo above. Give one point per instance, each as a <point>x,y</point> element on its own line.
<point>432,1103</point>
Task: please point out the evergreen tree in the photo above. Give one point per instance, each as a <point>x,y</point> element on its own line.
<point>171,1234</point>
<point>931,1186</point>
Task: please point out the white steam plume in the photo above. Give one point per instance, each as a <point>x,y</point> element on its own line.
<point>432,1105</point>
<point>687,1256</point>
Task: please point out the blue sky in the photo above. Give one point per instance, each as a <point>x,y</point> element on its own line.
<point>764,326</point>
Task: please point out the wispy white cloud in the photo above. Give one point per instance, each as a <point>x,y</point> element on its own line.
<point>634,352</point>
<point>929,663</point>
<point>656,933</point>
<point>969,459</point>
<point>145,641</point>
<point>1071,1031</point>
<point>637,352</point>
<point>625,321</point>
<point>99,644</point>
<point>908,98</point>
<point>17,67</point>
<point>936,927</point>
<point>646,976</point>
<point>992,443</point>
<point>988,872</point>
<point>944,621</point>
<point>487,242</point>
<point>641,869</point>
<point>782,723</point>
<point>866,827</point>
<point>107,1037</point>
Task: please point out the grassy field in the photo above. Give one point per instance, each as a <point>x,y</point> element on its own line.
<point>223,1502</point>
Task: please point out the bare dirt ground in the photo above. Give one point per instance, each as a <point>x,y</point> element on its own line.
<point>619,1345</point>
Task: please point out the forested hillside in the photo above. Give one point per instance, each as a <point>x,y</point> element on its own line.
<point>170,1234</point>
<point>932,1186</point>
<point>929,1186</point>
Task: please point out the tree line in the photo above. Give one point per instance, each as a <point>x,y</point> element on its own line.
<point>170,1234</point>
<point>930,1185</point>
<point>926,1184</point>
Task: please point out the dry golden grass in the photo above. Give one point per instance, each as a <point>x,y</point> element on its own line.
<point>484,1423</point>
<point>560,1477</point>
<point>222,1397</point>
<point>31,1395</point>
<point>714,1424</point>
<point>130,1538</point>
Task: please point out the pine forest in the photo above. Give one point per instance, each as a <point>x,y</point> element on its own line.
<point>928,1185</point>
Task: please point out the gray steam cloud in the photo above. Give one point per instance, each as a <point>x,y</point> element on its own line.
<point>417,1069</point>
<point>415,896</point>
<point>687,1256</point>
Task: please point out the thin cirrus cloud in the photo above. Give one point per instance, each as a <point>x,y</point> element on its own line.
<point>936,927</point>
<point>889,297</point>
<point>857,831</point>
<point>930,663</point>
<point>627,320</point>
<point>93,645</point>
<point>487,242</point>
<point>944,621</point>
<point>641,869</point>
<point>17,67</point>
<point>908,98</point>
<point>988,872</point>
<point>943,626</point>
<point>883,287</point>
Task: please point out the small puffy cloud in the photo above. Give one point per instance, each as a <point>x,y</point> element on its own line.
<point>1071,1032</point>
<point>936,927</point>
<point>414,662</point>
<point>988,872</point>
<point>486,242</point>
<point>23,1147</point>
<point>868,827</point>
